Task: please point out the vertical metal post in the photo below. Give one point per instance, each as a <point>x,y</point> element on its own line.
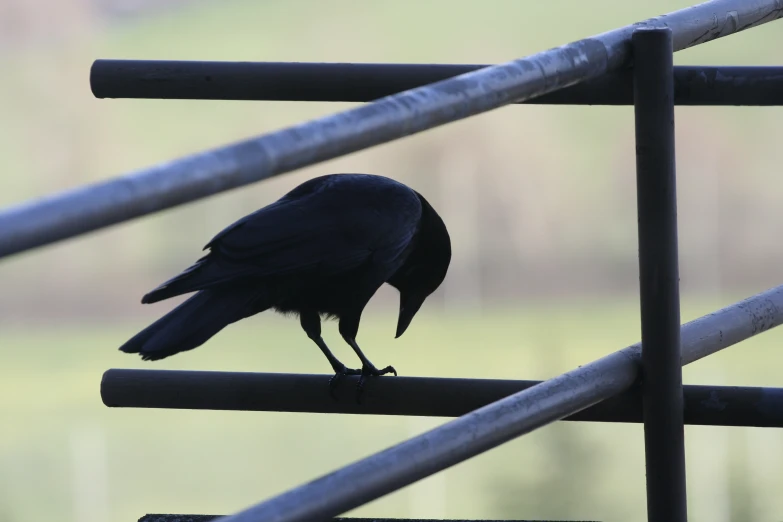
<point>664,436</point>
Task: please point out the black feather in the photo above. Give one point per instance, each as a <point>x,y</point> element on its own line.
<point>323,249</point>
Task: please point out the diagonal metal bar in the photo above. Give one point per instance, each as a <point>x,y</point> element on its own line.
<point>410,396</point>
<point>363,82</point>
<point>88,208</point>
<point>506,419</point>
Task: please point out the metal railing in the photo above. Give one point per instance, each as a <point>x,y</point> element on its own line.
<point>352,82</point>
<point>591,71</point>
<point>411,396</point>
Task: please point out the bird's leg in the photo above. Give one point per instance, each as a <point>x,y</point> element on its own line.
<point>339,368</point>
<point>368,368</point>
<point>311,324</point>
<point>349,327</point>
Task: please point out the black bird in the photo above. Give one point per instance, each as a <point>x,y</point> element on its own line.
<point>323,249</point>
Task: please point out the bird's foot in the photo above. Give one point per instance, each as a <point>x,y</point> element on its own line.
<point>368,370</point>
<point>340,372</point>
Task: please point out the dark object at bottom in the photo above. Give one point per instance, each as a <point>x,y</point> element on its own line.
<point>178,518</point>
<point>205,518</point>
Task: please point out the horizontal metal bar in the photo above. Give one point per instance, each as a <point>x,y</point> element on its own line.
<point>196,518</point>
<point>208,518</point>
<point>166,185</point>
<point>506,419</point>
<point>363,82</point>
<point>410,396</point>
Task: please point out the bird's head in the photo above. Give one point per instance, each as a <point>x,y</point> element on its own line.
<point>425,268</point>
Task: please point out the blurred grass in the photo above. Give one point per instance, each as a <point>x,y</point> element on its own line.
<point>215,462</point>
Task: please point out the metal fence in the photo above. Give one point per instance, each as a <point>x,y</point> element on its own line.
<point>631,65</point>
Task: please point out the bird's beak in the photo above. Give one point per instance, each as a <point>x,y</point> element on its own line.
<point>408,308</point>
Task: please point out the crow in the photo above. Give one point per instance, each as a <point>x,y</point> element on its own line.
<point>320,251</point>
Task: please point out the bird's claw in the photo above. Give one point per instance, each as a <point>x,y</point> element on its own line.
<point>370,371</point>
<point>366,371</point>
<point>377,373</point>
<point>339,373</point>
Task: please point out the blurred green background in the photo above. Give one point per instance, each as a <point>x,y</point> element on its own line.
<point>540,203</point>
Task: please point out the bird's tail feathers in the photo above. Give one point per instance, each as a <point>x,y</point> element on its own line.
<point>194,321</point>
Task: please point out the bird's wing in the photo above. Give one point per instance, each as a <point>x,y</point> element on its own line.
<point>318,235</point>
<point>288,239</point>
